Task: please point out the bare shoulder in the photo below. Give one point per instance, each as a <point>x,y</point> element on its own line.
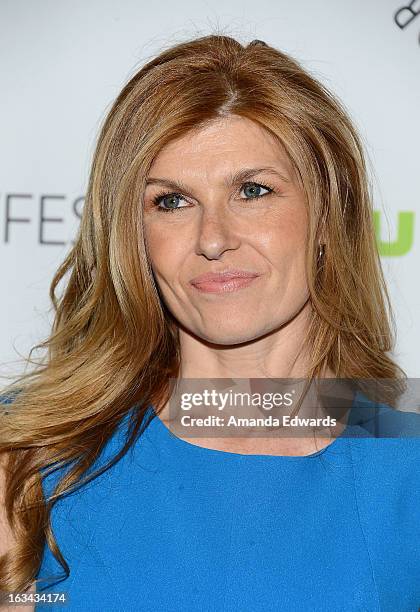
<point>6,537</point>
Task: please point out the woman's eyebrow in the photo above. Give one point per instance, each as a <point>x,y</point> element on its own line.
<point>232,180</point>
<point>242,175</point>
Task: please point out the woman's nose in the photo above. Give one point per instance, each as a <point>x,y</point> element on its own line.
<point>215,234</point>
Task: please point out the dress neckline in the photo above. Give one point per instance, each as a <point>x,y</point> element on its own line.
<point>169,438</point>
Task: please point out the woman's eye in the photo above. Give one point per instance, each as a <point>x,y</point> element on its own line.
<point>170,201</point>
<point>254,190</point>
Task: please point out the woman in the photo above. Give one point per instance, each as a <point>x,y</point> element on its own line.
<point>227,232</point>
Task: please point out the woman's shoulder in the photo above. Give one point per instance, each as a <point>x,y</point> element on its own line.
<point>96,479</point>
<point>385,435</point>
<point>385,464</point>
<point>385,459</point>
<point>385,455</point>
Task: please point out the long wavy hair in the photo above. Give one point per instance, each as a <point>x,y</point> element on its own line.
<point>113,345</point>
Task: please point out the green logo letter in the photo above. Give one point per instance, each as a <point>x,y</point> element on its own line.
<point>405,235</point>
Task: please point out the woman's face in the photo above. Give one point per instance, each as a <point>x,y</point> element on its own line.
<point>208,224</point>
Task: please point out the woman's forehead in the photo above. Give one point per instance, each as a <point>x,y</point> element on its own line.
<point>222,150</point>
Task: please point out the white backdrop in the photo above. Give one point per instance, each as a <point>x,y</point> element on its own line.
<point>63,63</point>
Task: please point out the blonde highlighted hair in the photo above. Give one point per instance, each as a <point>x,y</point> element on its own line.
<point>113,345</point>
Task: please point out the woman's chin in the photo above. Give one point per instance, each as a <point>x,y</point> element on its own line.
<point>228,336</point>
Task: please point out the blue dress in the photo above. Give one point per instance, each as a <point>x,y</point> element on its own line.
<point>177,527</point>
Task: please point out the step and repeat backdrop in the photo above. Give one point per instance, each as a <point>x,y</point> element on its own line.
<point>63,63</point>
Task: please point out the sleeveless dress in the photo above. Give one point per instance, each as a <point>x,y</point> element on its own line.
<point>176,527</point>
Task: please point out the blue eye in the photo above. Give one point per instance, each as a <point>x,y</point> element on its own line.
<point>172,197</point>
<point>254,191</point>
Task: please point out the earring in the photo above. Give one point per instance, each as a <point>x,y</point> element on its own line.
<point>321,251</point>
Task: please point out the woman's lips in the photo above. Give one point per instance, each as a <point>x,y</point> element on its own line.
<point>224,284</point>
